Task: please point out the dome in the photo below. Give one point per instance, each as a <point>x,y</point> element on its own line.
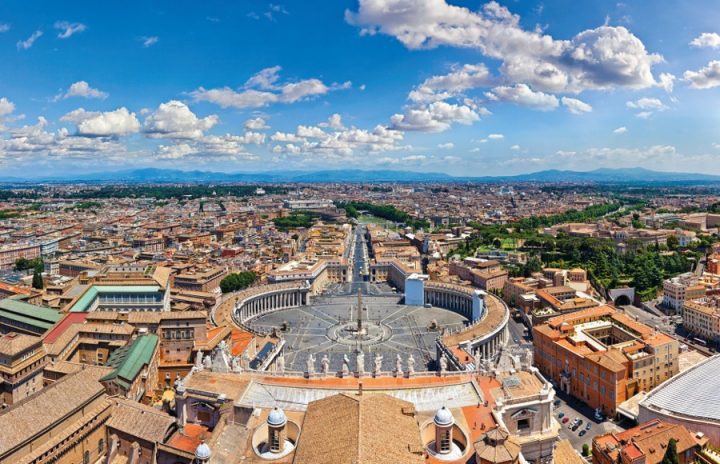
<point>443,416</point>
<point>276,418</point>
<point>202,451</point>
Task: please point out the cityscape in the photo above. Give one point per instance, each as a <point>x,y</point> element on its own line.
<point>359,232</point>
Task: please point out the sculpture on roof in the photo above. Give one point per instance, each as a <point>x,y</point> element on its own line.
<point>443,364</point>
<point>378,363</point>
<point>235,364</point>
<point>345,365</point>
<point>410,365</point>
<point>311,364</point>
<point>280,363</point>
<point>360,360</point>
<point>199,360</point>
<point>325,364</point>
<point>398,365</point>
<point>207,362</point>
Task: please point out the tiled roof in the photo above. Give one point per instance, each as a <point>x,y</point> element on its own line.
<point>32,415</point>
<point>12,344</point>
<point>140,421</point>
<point>128,361</point>
<point>349,428</point>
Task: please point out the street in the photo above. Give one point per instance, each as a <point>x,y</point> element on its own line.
<point>573,408</point>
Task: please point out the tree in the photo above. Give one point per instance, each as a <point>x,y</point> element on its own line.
<point>586,449</point>
<point>237,281</point>
<point>673,242</point>
<point>671,454</point>
<point>37,280</point>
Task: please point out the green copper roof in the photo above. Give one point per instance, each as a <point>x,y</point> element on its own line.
<point>93,292</point>
<point>13,308</point>
<point>129,360</point>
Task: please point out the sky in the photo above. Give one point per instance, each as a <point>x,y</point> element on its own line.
<point>463,87</point>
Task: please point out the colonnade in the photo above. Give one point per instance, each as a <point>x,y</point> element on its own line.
<point>450,299</point>
<point>257,305</point>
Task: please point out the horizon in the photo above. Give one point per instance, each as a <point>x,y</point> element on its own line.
<point>255,87</point>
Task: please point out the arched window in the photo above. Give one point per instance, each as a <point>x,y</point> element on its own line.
<point>86,457</point>
<point>101,446</point>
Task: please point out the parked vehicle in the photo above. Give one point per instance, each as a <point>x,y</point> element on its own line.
<point>582,432</point>
<point>588,426</point>
<point>565,420</point>
<point>561,415</point>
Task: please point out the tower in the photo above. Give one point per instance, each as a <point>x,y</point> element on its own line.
<point>444,423</point>
<point>277,435</point>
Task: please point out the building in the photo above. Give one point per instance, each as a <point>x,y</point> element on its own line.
<point>646,444</point>
<point>701,317</point>
<point>603,357</point>
<point>352,428</point>
<point>22,359</point>
<point>688,399</point>
<point>135,369</point>
<point>201,280</point>
<point>678,289</point>
<point>21,317</point>
<point>63,423</point>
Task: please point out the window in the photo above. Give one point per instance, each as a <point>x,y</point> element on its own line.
<point>101,446</point>
<point>86,457</point>
<point>523,424</point>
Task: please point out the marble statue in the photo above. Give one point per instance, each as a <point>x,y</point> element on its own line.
<point>398,365</point>
<point>360,360</point>
<point>410,365</point>
<point>443,364</point>
<point>207,362</point>
<point>378,363</point>
<point>280,364</point>
<point>199,360</point>
<point>311,364</point>
<point>345,365</point>
<point>325,364</point>
<point>235,364</point>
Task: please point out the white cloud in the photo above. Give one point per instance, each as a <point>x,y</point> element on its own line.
<point>496,136</point>
<point>707,39</point>
<point>78,115</point>
<point>446,146</point>
<point>262,90</point>
<point>67,29</point>
<point>435,117</point>
<point>521,94</point>
<point>82,89</point>
<point>515,147</point>
<point>666,81</point>
<point>174,120</point>
<point>704,78</point>
<point>226,146</point>
<point>333,122</point>
<point>442,87</point>
<point>27,43</point>
<point>4,27</point>
<point>576,106</point>
<point>6,107</point>
<point>620,130</point>
<point>645,103</point>
<point>109,124</point>
<point>27,143</point>
<point>600,58</point>
<point>256,124</point>
<point>149,41</point>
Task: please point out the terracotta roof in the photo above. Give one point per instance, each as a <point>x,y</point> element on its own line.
<point>12,344</point>
<point>140,421</point>
<point>349,428</point>
<point>32,415</point>
<point>496,447</point>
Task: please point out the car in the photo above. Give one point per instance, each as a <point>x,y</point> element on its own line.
<point>557,402</point>
<point>588,426</point>
<point>579,423</point>
<point>582,432</point>
<point>561,415</point>
<point>574,427</point>
<point>565,420</point>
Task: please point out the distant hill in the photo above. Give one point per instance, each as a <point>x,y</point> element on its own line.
<point>155,175</point>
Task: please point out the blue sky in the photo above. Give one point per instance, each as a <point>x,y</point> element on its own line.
<point>463,87</point>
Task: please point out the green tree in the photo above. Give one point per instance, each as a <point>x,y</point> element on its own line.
<point>671,454</point>
<point>237,281</point>
<point>586,449</point>
<point>37,280</point>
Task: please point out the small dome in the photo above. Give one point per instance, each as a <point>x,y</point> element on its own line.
<point>443,416</point>
<point>202,451</point>
<point>276,418</point>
